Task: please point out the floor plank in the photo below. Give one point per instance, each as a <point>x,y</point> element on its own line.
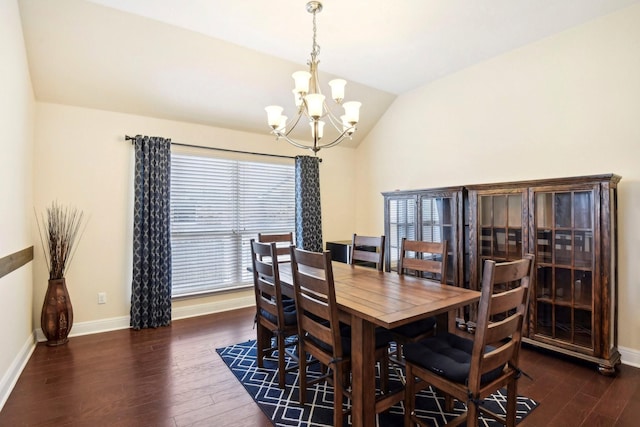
<point>173,377</point>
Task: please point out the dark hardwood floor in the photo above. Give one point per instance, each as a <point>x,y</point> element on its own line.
<point>173,377</point>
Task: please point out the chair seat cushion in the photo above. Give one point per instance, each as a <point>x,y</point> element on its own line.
<point>290,317</point>
<point>416,328</point>
<point>447,355</point>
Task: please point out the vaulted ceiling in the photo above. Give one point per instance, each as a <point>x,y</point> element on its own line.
<point>220,62</point>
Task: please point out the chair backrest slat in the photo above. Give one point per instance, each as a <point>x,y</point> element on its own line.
<point>282,240</point>
<point>504,301</point>
<point>368,249</point>
<point>429,257</point>
<point>366,256</point>
<point>515,272</point>
<point>503,328</point>
<point>422,265</point>
<point>499,357</point>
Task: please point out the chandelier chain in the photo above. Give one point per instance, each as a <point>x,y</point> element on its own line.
<point>316,48</point>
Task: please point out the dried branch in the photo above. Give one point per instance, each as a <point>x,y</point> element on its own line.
<point>61,226</point>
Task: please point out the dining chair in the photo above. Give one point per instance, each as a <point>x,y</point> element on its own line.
<point>471,369</point>
<point>429,260</point>
<point>275,318</point>
<point>361,250</point>
<point>282,241</point>
<point>320,333</point>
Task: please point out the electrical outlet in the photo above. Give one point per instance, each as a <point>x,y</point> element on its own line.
<point>102,297</point>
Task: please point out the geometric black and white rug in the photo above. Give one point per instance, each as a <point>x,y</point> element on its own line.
<point>283,408</point>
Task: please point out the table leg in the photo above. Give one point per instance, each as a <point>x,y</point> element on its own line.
<point>363,387</point>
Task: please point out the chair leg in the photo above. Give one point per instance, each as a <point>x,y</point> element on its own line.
<point>302,376</point>
<point>409,398</point>
<point>263,336</point>
<point>281,361</point>
<point>472,414</point>
<point>338,394</point>
<point>449,402</point>
<point>398,351</point>
<point>384,372</point>
<point>512,396</point>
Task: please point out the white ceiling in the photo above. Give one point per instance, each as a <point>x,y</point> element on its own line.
<point>220,62</point>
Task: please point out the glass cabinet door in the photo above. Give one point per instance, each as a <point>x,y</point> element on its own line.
<point>437,216</point>
<point>500,219</point>
<point>402,222</point>
<point>430,215</point>
<point>564,230</point>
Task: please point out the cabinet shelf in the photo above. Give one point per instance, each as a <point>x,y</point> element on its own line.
<point>566,303</point>
<point>562,302</point>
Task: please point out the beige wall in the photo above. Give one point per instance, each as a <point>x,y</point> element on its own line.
<point>16,213</point>
<point>568,105</point>
<point>81,159</point>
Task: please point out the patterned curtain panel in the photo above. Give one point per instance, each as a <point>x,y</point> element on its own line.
<point>308,217</point>
<point>151,287</point>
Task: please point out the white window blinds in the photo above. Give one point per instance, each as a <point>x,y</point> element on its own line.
<point>217,206</point>
<point>431,220</point>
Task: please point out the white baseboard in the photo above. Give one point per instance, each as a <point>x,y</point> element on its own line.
<point>630,356</point>
<point>10,377</point>
<point>213,307</point>
<point>115,323</point>
<point>92,327</point>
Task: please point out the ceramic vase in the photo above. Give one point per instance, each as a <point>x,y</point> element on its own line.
<point>57,313</point>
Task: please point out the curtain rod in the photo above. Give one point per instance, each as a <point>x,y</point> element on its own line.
<point>132,138</point>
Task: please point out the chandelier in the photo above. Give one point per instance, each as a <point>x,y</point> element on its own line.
<point>312,106</point>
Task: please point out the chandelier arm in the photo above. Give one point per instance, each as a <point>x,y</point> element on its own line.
<point>293,126</point>
<point>333,119</point>
<point>317,146</point>
<point>295,143</point>
<point>338,140</point>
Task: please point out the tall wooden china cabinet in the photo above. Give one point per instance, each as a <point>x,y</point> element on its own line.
<point>568,223</point>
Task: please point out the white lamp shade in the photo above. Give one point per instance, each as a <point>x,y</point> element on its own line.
<point>320,128</point>
<point>302,81</point>
<point>273,115</point>
<point>282,126</point>
<point>352,111</point>
<point>337,89</point>
<point>297,98</point>
<point>314,104</point>
<point>346,126</point>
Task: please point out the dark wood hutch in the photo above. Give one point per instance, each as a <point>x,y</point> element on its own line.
<point>569,224</point>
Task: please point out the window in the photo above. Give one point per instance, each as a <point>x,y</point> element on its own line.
<point>217,206</point>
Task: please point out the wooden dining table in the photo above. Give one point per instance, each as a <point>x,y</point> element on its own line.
<point>367,299</point>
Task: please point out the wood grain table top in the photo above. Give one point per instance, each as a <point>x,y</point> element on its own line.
<point>388,299</point>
